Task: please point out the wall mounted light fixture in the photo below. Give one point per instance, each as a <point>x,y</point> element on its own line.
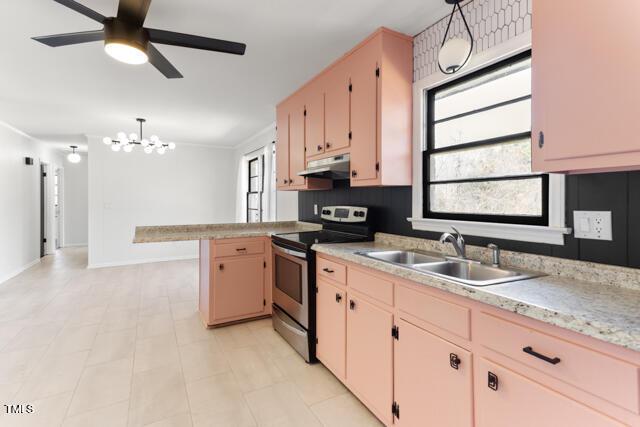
<point>455,53</point>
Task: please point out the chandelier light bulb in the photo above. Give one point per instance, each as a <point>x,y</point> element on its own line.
<point>154,139</point>
<point>116,147</point>
<point>144,142</point>
<point>161,150</point>
<point>148,149</point>
<point>133,137</point>
<point>128,148</point>
<point>106,140</point>
<point>122,136</point>
<point>172,146</point>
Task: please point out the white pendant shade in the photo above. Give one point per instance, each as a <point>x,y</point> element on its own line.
<point>74,157</point>
<point>126,53</point>
<point>454,54</point>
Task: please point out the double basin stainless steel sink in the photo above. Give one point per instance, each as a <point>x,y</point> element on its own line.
<point>463,271</point>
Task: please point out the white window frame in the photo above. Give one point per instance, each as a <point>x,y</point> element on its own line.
<point>552,234</point>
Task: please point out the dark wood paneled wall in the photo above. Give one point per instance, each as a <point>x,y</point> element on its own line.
<point>618,192</point>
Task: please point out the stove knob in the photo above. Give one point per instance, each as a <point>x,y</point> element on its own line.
<point>326,212</point>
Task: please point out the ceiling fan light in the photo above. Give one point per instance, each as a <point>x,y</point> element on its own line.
<point>106,140</point>
<point>126,53</point>
<point>454,54</point>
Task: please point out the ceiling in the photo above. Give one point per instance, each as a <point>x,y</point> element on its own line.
<point>61,94</point>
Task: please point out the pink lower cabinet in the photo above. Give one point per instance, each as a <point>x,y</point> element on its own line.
<point>433,380</point>
<point>331,328</point>
<point>370,355</point>
<point>506,399</point>
<point>238,289</point>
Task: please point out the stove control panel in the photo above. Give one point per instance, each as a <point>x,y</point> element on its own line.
<point>344,214</point>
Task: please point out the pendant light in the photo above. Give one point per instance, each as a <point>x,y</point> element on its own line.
<point>455,53</point>
<point>127,142</point>
<point>74,157</point>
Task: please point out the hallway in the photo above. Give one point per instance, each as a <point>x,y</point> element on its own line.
<point>124,346</point>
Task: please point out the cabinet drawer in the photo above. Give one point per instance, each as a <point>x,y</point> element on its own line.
<point>247,247</point>
<point>332,270</point>
<point>438,312</point>
<point>370,285</point>
<point>596,373</point>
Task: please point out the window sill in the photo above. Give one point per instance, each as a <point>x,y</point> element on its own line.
<point>523,233</point>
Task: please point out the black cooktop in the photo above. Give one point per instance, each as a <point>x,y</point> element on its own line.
<point>306,239</point>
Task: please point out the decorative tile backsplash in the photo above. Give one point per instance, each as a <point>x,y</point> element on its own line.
<point>490,21</point>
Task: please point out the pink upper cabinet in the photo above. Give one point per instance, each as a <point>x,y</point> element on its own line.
<point>282,147</point>
<point>336,98</point>
<point>585,91</point>
<point>314,116</point>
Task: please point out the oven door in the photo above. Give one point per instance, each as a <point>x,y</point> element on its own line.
<point>291,283</point>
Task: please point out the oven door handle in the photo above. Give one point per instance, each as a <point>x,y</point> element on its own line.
<point>291,252</point>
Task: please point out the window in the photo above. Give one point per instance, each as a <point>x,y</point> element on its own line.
<point>477,162</point>
<point>254,193</point>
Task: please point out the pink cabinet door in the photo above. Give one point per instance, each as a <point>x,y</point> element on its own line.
<point>433,380</point>
<point>331,325</point>
<point>314,116</point>
<point>238,287</point>
<point>363,64</point>
<point>506,399</point>
<point>282,147</point>
<point>336,98</point>
<point>587,111</point>
<point>296,140</point>
<point>370,355</point>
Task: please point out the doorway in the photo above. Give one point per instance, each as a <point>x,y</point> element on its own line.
<point>43,208</point>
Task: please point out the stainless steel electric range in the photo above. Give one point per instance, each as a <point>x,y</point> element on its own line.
<point>294,273</point>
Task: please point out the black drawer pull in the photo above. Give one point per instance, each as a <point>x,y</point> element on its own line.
<point>221,267</point>
<point>352,305</point>
<point>328,144</point>
<point>327,270</point>
<point>454,360</point>
<point>492,381</point>
<point>241,249</point>
<point>338,298</point>
<point>531,351</point>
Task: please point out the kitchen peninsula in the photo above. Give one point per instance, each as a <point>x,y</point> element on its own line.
<point>234,266</point>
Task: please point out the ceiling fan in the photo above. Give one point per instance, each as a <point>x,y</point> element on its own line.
<point>126,40</point>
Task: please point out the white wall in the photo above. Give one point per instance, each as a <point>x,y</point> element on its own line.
<point>286,201</point>
<point>20,200</point>
<point>75,203</point>
<point>191,185</point>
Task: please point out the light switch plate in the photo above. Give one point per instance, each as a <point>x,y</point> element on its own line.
<point>315,209</point>
<point>592,225</point>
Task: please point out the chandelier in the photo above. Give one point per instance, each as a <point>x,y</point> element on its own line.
<point>126,143</point>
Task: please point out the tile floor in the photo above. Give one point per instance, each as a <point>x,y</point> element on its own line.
<point>124,347</point>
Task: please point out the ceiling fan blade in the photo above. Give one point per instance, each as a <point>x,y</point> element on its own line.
<point>80,8</point>
<point>57,40</point>
<point>133,11</point>
<point>161,63</point>
<point>195,42</point>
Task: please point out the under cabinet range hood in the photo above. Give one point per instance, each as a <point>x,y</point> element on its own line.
<point>336,167</point>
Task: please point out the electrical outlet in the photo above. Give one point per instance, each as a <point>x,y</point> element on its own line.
<point>315,209</point>
<point>592,225</point>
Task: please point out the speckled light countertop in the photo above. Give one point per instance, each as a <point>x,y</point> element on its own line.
<point>601,310</point>
<point>176,233</point>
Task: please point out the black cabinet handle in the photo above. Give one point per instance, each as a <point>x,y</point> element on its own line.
<point>531,351</point>
<point>354,173</point>
<point>221,267</point>
<point>328,144</point>
<point>327,270</point>
<point>492,381</point>
<point>338,297</point>
<point>319,147</point>
<point>241,249</point>
<point>541,139</point>
<point>352,305</point>
<point>454,360</point>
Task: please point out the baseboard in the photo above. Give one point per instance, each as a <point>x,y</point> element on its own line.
<point>141,261</point>
<point>74,245</point>
<point>18,271</point>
